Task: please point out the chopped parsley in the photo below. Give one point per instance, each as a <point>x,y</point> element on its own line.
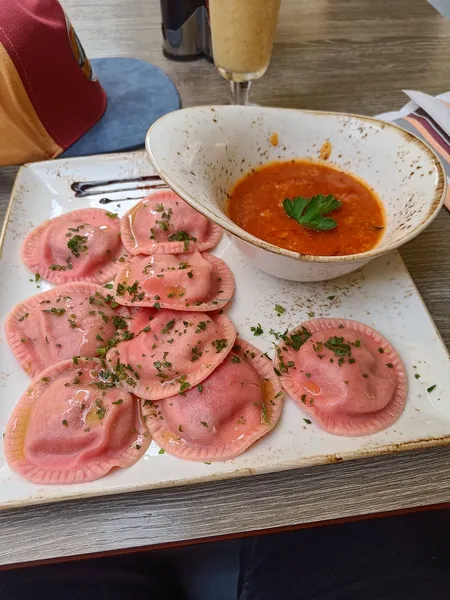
<point>196,353</point>
<point>279,309</point>
<point>101,409</point>
<point>431,388</point>
<point>296,340</point>
<point>184,386</point>
<point>235,359</point>
<point>112,215</point>
<point>200,388</point>
<point>307,421</point>
<point>119,322</point>
<point>78,244</point>
<point>201,326</point>
<point>168,326</point>
<point>58,312</point>
<point>161,451</point>
<point>204,423</point>
<point>338,346</point>
<point>219,345</point>
<point>181,236</point>
<point>65,423</point>
<point>264,416</point>
<point>258,330</point>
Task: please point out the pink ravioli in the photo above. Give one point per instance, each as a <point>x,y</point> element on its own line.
<point>344,374</point>
<point>70,426</point>
<point>163,222</point>
<point>195,281</point>
<point>176,350</point>
<point>237,404</point>
<point>82,245</point>
<point>74,319</point>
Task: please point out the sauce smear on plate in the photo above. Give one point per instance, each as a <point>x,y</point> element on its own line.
<point>256,205</point>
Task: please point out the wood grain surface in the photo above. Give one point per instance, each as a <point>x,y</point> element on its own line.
<point>351,55</point>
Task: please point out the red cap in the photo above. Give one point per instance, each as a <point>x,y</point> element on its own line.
<point>57,77</point>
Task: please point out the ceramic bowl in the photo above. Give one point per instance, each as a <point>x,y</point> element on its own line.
<point>202,152</point>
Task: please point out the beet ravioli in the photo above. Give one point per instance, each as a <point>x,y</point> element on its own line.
<point>74,319</point>
<point>344,374</point>
<point>175,351</point>
<point>82,245</point>
<point>220,418</point>
<point>71,427</point>
<point>163,222</point>
<point>194,282</point>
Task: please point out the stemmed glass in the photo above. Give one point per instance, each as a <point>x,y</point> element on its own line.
<point>242,34</point>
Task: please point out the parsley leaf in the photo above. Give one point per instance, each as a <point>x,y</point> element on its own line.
<point>310,212</point>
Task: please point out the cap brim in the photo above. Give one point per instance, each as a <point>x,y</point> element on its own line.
<point>138,94</point>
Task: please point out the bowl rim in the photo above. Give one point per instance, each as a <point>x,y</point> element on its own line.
<point>436,204</point>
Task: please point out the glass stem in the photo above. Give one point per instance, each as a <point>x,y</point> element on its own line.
<point>239,92</point>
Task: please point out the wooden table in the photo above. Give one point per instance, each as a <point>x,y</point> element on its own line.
<point>351,55</point>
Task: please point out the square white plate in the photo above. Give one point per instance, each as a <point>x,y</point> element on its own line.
<point>381,295</point>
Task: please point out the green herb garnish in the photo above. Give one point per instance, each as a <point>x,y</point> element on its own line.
<point>168,326</point>
<point>279,309</point>
<point>181,236</point>
<point>58,312</point>
<point>430,389</point>
<point>219,345</point>
<point>119,322</point>
<point>201,326</point>
<point>258,330</point>
<point>310,212</point>
<point>338,346</point>
<point>184,386</point>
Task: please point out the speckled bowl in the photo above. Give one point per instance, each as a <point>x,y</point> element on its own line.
<point>201,152</point>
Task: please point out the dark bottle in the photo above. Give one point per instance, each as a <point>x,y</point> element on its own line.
<point>185,29</point>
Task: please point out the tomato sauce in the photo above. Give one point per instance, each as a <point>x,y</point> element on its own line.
<point>256,205</point>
